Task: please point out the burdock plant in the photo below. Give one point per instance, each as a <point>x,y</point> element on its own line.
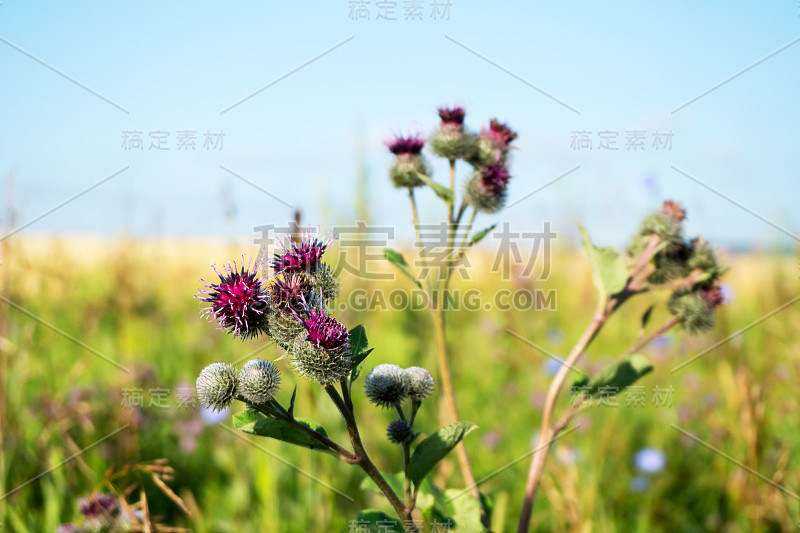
<point>289,303</point>
<point>658,259</point>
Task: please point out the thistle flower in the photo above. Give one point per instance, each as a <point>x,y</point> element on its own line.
<point>303,256</point>
<point>259,380</point>
<point>494,144</point>
<point>674,210</point>
<point>451,141</point>
<point>703,258</point>
<point>409,162</point>
<point>216,386</point>
<point>695,309</point>
<point>324,355</point>
<point>420,383</point>
<point>286,328</point>
<point>386,385</point>
<point>486,189</point>
<point>239,302</point>
<point>400,432</point>
<point>288,291</point>
<point>325,331</point>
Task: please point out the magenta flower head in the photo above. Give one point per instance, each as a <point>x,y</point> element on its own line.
<point>411,145</point>
<point>239,302</point>
<point>325,331</point>
<point>324,355</point>
<point>486,188</point>
<point>303,256</point>
<point>451,140</point>
<point>494,144</point>
<point>288,292</point>
<point>409,162</point>
<point>452,117</point>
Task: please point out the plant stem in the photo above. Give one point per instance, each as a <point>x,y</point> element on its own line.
<point>366,463</point>
<point>547,432</point>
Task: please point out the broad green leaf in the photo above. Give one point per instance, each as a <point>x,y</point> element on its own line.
<point>441,191</point>
<point>466,512</point>
<point>432,501</point>
<point>616,377</point>
<point>434,448</point>
<point>608,267</point>
<point>378,522</point>
<point>478,237</point>
<point>397,259</point>
<point>255,423</point>
<point>358,364</point>
<point>358,339</point>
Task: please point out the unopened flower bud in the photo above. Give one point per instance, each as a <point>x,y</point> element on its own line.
<point>400,432</point>
<point>319,364</point>
<point>386,385</point>
<point>451,141</point>
<point>420,383</point>
<point>216,386</point>
<point>694,311</point>
<point>259,380</point>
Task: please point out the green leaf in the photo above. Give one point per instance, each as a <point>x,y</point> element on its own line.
<point>358,347</point>
<point>256,423</point>
<point>647,314</point>
<point>615,378</point>
<point>291,402</point>
<point>434,448</point>
<point>396,258</point>
<point>378,522</point>
<point>441,191</point>
<point>358,364</point>
<point>610,274</point>
<point>358,339</point>
<point>433,502</point>
<point>466,512</point>
<point>478,237</point>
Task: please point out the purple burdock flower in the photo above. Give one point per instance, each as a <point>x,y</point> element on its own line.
<point>409,163</point>
<point>411,145</point>
<point>288,292</point>
<point>495,177</point>
<point>452,117</point>
<point>325,331</point>
<point>97,505</point>
<point>239,301</point>
<point>486,189</point>
<point>500,133</point>
<point>303,256</point>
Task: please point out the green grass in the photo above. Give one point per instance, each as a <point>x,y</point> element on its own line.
<point>132,302</point>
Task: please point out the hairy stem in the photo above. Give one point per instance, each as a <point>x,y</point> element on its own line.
<point>366,463</point>
<point>547,431</point>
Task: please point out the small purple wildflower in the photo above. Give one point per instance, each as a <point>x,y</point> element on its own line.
<point>300,256</point>
<point>325,331</point>
<point>97,505</point>
<point>411,145</point>
<point>238,301</point>
<point>639,484</point>
<point>650,460</point>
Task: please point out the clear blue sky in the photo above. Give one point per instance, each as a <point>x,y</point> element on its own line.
<point>177,65</point>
